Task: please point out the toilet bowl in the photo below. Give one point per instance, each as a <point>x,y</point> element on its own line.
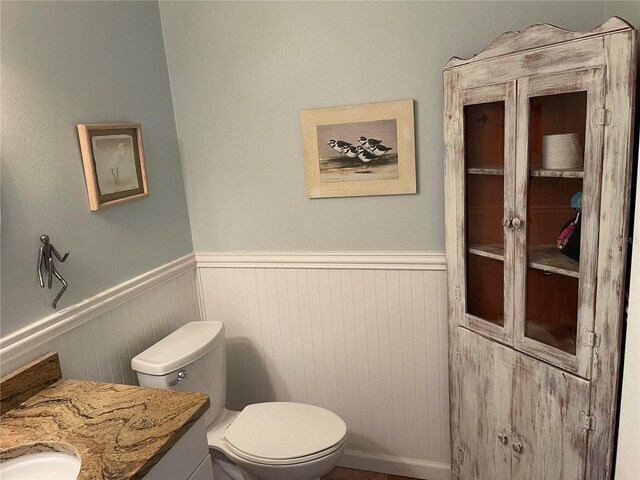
<point>265,441</point>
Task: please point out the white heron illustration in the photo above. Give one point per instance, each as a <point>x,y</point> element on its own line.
<point>116,158</point>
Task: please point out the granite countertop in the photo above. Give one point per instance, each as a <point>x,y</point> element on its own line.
<point>118,431</point>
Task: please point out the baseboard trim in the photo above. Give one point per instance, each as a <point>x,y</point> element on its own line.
<point>407,467</point>
<point>44,330</point>
<point>331,260</point>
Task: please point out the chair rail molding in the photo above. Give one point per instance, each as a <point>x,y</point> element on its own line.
<point>432,260</point>
<point>49,328</point>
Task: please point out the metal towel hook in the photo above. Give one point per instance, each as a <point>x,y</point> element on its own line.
<point>45,258</point>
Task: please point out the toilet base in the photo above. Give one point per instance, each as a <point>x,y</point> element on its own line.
<point>224,469</point>
<point>227,467</point>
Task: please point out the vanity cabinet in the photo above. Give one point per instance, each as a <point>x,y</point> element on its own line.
<point>538,134</point>
<point>188,459</point>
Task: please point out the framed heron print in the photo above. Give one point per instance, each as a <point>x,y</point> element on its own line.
<point>113,160</point>
<point>359,150</point>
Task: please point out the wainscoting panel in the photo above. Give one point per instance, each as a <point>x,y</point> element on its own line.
<point>353,333</point>
<point>97,338</point>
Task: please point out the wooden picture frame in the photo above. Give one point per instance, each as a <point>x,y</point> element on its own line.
<point>359,150</point>
<point>113,161</point>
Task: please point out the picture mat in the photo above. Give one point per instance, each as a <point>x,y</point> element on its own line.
<point>104,148</point>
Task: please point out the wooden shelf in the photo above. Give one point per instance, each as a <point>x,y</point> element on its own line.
<point>542,257</point>
<point>497,170</point>
<point>534,172</point>
<point>541,172</point>
<point>490,251</point>
<point>549,259</point>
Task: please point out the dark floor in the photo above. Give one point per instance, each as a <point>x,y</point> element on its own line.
<point>341,473</point>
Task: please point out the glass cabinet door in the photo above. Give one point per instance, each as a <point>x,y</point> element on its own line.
<point>559,156</point>
<point>488,127</point>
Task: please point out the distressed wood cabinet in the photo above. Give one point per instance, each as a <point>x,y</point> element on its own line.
<point>538,143</point>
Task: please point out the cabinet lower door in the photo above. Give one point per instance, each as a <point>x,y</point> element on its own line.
<point>484,376</point>
<point>546,422</point>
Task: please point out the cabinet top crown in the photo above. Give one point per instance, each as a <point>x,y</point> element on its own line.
<point>537,36</point>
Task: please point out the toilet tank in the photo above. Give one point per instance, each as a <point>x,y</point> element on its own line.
<point>192,359</point>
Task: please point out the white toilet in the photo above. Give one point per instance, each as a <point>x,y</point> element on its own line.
<point>265,441</point>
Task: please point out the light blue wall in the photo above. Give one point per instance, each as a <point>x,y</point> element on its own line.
<point>65,63</point>
<point>241,72</point>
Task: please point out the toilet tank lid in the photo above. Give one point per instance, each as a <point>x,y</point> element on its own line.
<point>179,349</point>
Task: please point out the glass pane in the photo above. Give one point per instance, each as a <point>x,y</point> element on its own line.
<point>554,207</point>
<point>556,131</point>
<point>552,309</point>
<point>484,159</point>
<point>484,135</point>
<point>485,287</point>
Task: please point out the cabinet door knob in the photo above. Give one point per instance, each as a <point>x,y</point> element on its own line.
<point>503,438</point>
<point>517,223</point>
<point>516,447</point>
<point>506,222</point>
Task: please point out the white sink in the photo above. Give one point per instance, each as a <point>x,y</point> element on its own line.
<point>36,466</point>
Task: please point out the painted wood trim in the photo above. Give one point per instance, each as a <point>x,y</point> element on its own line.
<point>503,92</point>
<point>533,63</point>
<point>331,260</point>
<point>26,381</point>
<point>591,81</point>
<point>72,317</point>
<point>488,329</point>
<point>546,412</point>
<point>454,310</point>
<point>408,467</point>
<point>538,36</point>
<point>621,54</point>
<point>485,368</point>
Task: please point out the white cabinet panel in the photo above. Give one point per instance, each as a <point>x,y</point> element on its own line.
<point>184,457</point>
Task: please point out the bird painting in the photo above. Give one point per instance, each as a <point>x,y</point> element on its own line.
<point>369,143</point>
<point>115,161</point>
<point>352,152</point>
<point>362,151</point>
<point>339,146</point>
<point>365,157</point>
<point>369,149</point>
<point>380,150</point>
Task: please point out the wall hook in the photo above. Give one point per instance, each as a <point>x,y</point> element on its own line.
<point>45,258</point>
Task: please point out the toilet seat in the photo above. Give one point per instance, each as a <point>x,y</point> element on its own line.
<point>285,433</point>
<point>291,461</point>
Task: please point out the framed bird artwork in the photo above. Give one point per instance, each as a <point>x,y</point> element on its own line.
<point>113,161</point>
<point>359,150</point>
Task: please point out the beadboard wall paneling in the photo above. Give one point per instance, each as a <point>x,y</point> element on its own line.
<point>355,333</point>
<point>97,339</point>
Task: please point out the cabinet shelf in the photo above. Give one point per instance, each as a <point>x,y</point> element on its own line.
<point>542,257</point>
<point>534,172</point>
<point>490,251</point>
<point>497,170</point>
<point>543,172</point>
